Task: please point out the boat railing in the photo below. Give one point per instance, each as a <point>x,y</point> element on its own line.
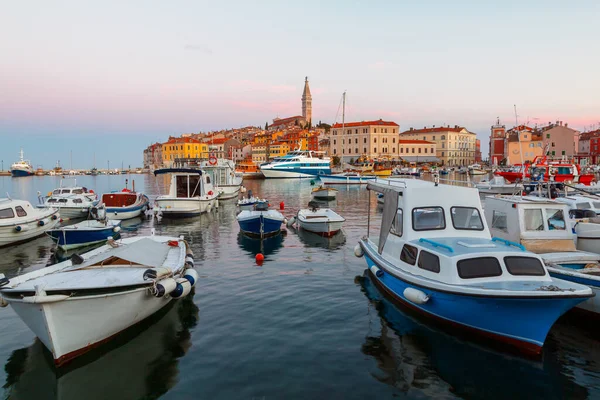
<point>467,183</point>
<point>509,243</point>
<point>437,244</point>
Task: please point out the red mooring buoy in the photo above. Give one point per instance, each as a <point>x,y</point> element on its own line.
<point>282,205</point>
<point>260,258</point>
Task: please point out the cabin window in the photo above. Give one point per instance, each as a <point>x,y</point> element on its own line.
<point>195,185</point>
<point>57,191</point>
<point>78,191</point>
<point>583,206</point>
<point>62,201</point>
<point>428,218</point>
<point>66,191</point>
<point>556,220</point>
<point>481,267</point>
<point>409,254</point>
<point>7,213</point>
<point>429,261</point>
<point>396,228</point>
<point>524,266</point>
<point>20,211</point>
<point>78,201</point>
<point>52,200</point>
<point>596,204</point>
<point>534,221</point>
<point>466,218</point>
<point>499,221</point>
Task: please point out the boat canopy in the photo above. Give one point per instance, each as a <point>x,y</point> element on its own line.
<point>177,170</point>
<point>143,252</point>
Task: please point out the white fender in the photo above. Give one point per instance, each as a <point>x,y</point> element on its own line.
<point>182,289</point>
<point>117,229</point>
<point>41,299</point>
<point>358,251</point>
<point>191,275</point>
<point>376,271</point>
<point>164,286</point>
<point>291,222</point>
<point>415,296</point>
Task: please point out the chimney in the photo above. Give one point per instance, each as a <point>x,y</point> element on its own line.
<point>566,125</point>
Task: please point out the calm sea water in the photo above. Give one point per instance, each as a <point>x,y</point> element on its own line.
<point>306,324</point>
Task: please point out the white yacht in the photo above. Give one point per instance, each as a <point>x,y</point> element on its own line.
<point>22,167</point>
<point>297,164</point>
<point>191,193</point>
<point>225,179</point>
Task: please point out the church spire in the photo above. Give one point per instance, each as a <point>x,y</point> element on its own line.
<point>306,102</point>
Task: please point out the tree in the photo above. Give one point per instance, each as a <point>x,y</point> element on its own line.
<point>336,161</point>
<point>266,126</point>
<point>351,161</point>
<point>309,125</point>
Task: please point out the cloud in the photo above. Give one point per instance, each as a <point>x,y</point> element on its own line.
<point>196,47</point>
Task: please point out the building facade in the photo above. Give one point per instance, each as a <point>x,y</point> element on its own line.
<point>454,146</point>
<point>523,145</point>
<point>241,152</point>
<point>478,157</point>
<point>562,140</point>
<point>497,143</point>
<point>182,148</point>
<point>370,139</point>
<point>417,151</point>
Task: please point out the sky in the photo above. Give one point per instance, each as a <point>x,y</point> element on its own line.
<point>102,80</point>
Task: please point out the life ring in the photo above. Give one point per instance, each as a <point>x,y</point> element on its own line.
<point>212,160</point>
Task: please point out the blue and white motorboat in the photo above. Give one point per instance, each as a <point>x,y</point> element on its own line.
<point>125,204</point>
<point>261,221</point>
<point>22,167</point>
<point>73,202</point>
<point>569,247</point>
<point>92,231</point>
<point>434,253</point>
<point>248,203</point>
<point>297,164</point>
<point>346,178</point>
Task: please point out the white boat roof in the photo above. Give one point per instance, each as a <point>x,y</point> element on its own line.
<point>143,252</point>
<point>523,199</point>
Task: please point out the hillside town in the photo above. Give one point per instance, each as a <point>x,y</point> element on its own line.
<point>378,139</point>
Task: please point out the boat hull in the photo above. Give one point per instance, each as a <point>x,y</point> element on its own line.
<point>9,236</point>
<point>67,239</point>
<point>260,226</point>
<point>327,229</point>
<point>181,208</point>
<point>326,194</point>
<point>227,192</point>
<point>345,180</point>
<point>521,322</point>
<point>16,173</point>
<point>592,304</point>
<point>121,213</point>
<point>74,326</point>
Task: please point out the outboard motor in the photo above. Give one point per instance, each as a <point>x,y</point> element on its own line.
<point>261,206</point>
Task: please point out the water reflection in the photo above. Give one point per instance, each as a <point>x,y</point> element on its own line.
<point>140,363</point>
<point>313,240</point>
<point>266,246</point>
<point>414,356</point>
<point>131,224</point>
<point>17,258</point>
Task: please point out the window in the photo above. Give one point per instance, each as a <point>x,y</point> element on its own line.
<point>553,153</point>
<point>20,211</point>
<point>364,150</point>
<point>413,150</point>
<point>374,140</point>
<point>356,150</point>
<point>563,153</point>
<point>77,201</point>
<point>499,221</point>
<point>466,218</point>
<point>556,220</point>
<point>401,149</point>
<point>419,150</point>
<point>425,150</point>
<point>409,254</point>
<point>78,191</point>
<point>334,142</point>
<point>52,201</point>
<point>429,261</point>
<point>443,137</point>
<point>374,149</point>
<point>429,218</point>
<point>433,137</point>
<point>534,220</point>
<point>393,140</point>
<point>355,140</point>
<point>482,267</point>
<point>424,138</point>
<point>375,130</point>
<point>393,149</point>
<point>524,266</point>
<point>553,144</point>
<point>547,136</point>
<point>66,191</point>
<point>7,213</point>
<point>64,201</point>
<point>396,228</point>
<point>364,140</point>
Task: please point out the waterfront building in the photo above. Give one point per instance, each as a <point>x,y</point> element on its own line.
<point>370,139</point>
<point>240,152</point>
<point>455,146</point>
<point>278,149</point>
<point>182,148</point>
<point>417,151</point>
<point>563,141</point>
<point>153,156</point>
<point>220,147</point>
<point>497,143</point>
<point>478,157</point>
<point>585,155</point>
<point>523,144</point>
<point>259,153</point>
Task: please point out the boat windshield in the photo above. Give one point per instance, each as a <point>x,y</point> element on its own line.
<point>7,213</point>
<point>556,219</point>
<point>466,218</point>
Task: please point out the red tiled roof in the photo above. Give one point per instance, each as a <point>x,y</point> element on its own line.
<point>217,141</point>
<point>408,141</point>
<point>366,123</point>
<point>433,130</point>
<point>181,140</point>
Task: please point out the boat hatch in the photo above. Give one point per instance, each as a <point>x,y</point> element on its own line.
<point>119,200</point>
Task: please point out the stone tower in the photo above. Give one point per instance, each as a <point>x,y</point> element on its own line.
<point>307,102</point>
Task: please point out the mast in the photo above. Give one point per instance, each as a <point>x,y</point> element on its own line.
<point>519,139</point>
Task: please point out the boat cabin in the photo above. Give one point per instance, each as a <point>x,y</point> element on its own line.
<point>539,224</point>
<point>187,183</point>
<point>11,210</point>
<point>580,202</point>
<point>119,199</point>
<point>439,232</point>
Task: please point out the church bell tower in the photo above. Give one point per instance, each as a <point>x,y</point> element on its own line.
<point>307,102</point>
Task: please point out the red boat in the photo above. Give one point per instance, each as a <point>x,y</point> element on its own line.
<point>557,171</point>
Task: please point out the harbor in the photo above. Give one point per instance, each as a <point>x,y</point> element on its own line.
<point>306,313</point>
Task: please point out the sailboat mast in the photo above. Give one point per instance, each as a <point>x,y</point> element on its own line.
<point>519,139</point>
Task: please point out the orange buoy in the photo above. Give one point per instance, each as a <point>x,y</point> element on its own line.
<point>282,205</point>
<point>260,258</point>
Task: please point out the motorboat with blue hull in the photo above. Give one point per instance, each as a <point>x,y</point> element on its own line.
<point>22,167</point>
<point>434,253</point>
<point>85,233</point>
<point>125,204</point>
<point>261,221</point>
<point>297,164</point>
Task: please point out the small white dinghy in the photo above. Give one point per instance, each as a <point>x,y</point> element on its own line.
<point>81,303</point>
<point>324,193</point>
<point>322,221</point>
